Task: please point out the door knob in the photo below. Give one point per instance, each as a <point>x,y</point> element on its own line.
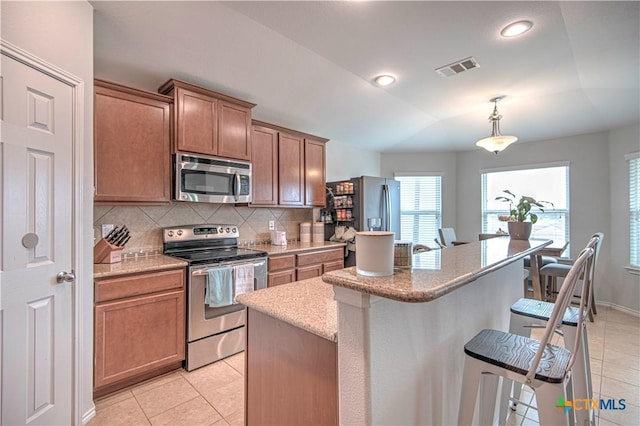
<point>65,277</point>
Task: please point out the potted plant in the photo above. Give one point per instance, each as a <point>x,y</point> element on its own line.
<point>519,227</point>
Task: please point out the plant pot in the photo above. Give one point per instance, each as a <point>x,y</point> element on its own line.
<point>519,230</point>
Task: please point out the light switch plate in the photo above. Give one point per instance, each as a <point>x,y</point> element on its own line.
<point>272,225</point>
<point>106,228</point>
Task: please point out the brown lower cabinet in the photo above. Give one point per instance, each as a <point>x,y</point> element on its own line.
<point>287,268</point>
<point>291,375</point>
<point>139,328</point>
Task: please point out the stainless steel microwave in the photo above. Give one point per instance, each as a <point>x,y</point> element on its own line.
<point>200,178</point>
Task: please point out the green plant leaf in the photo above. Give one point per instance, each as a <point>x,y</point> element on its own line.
<point>534,218</point>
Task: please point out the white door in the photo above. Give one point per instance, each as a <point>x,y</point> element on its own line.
<point>37,336</point>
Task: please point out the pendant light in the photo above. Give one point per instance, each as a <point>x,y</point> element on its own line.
<point>496,142</point>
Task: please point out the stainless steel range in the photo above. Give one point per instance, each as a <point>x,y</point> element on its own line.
<point>218,271</point>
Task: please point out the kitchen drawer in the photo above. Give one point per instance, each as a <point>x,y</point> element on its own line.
<point>334,265</point>
<point>309,272</point>
<point>321,256</point>
<point>277,263</point>
<point>281,277</point>
<point>135,285</point>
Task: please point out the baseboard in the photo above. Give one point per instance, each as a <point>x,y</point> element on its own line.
<point>619,308</point>
<point>89,415</point>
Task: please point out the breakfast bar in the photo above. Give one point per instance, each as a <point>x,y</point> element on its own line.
<point>400,338</point>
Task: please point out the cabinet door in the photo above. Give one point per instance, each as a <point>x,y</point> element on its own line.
<point>136,335</point>
<point>234,131</point>
<point>197,126</point>
<point>264,162</point>
<point>132,157</point>
<point>290,170</point>
<point>314,173</point>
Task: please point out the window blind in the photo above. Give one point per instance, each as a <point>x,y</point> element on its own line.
<point>420,209</point>
<point>634,212</point>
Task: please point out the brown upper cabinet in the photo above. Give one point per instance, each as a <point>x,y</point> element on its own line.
<point>264,162</point>
<point>314,173</point>
<point>132,143</point>
<point>208,122</point>
<point>288,167</point>
<point>290,170</point>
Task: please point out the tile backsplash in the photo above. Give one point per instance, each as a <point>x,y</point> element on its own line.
<point>146,222</point>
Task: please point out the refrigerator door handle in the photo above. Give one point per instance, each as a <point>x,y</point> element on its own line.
<point>389,215</point>
<point>386,194</point>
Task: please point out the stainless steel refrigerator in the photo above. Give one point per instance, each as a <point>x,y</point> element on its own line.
<point>372,198</point>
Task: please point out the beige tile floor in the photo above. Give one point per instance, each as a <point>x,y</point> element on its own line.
<point>214,395</point>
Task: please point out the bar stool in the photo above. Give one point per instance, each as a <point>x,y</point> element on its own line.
<point>544,260</point>
<point>551,272</point>
<point>544,367</point>
<point>527,314</point>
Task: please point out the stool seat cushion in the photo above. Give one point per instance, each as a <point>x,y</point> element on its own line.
<point>542,310</point>
<point>555,270</point>
<point>516,353</point>
<point>545,261</point>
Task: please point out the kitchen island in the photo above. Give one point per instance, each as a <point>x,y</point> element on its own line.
<point>400,338</point>
<point>291,355</point>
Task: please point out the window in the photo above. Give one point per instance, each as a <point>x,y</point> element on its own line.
<point>547,183</point>
<point>634,210</point>
<point>420,210</point>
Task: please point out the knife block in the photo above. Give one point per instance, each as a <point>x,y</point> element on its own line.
<point>105,252</point>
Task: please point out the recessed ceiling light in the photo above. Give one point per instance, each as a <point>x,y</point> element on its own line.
<point>516,28</point>
<point>384,80</point>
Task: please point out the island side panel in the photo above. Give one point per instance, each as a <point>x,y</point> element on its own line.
<point>415,351</point>
<point>291,374</point>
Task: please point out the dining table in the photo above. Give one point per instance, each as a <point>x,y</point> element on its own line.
<point>555,249</point>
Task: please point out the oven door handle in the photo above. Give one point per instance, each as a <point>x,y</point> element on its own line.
<point>205,270</point>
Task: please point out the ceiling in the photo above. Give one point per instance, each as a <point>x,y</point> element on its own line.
<point>310,65</point>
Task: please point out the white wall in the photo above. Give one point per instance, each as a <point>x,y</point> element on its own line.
<point>61,33</point>
<point>434,162</point>
<point>620,287</point>
<point>344,161</point>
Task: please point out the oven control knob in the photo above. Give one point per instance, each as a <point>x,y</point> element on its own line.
<point>234,230</point>
<point>228,230</point>
<point>220,230</point>
<point>179,232</point>
<point>170,234</point>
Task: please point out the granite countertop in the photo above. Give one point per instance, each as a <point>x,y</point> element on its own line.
<point>297,247</point>
<point>448,270</point>
<point>141,264</point>
<point>306,304</point>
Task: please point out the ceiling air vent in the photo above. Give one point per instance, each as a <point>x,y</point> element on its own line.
<point>458,67</point>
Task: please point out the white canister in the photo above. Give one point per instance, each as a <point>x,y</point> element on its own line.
<point>318,232</point>
<point>278,238</point>
<point>305,232</point>
<point>374,253</point>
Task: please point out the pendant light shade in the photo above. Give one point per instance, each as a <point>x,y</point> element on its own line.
<point>496,142</point>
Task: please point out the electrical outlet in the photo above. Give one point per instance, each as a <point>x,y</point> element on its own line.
<point>106,228</point>
<point>272,225</point>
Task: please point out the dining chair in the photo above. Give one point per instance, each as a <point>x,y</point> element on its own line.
<point>448,237</point>
<point>542,366</point>
<point>550,273</point>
